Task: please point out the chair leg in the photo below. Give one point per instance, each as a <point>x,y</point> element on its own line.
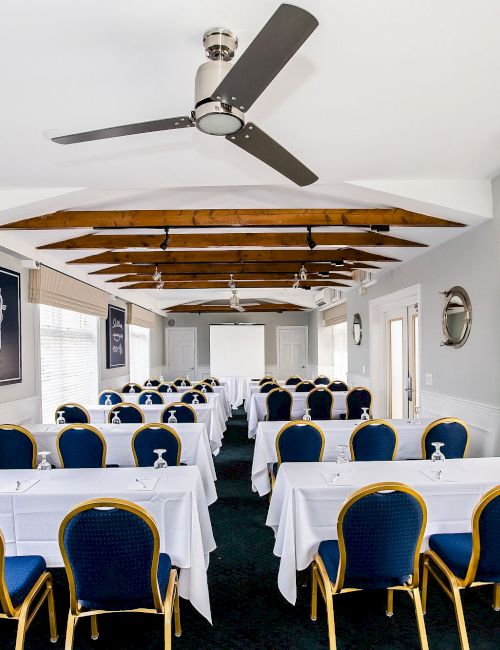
<point>21,629</point>
<point>331,621</point>
<point>168,628</point>
<point>314,592</point>
<point>70,631</point>
<point>390,603</point>
<point>177,612</point>
<point>496,597</point>
<point>420,619</point>
<point>425,583</point>
<point>94,629</point>
<point>459,613</point>
<point>52,612</point>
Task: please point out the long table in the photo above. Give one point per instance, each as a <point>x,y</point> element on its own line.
<point>257,408</point>
<point>194,440</point>
<point>222,401</point>
<point>337,432</point>
<point>305,506</point>
<point>30,520</point>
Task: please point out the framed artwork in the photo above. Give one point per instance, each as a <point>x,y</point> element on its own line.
<point>10,327</point>
<point>115,337</point>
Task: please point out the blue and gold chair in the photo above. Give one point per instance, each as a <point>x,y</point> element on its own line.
<point>268,386</point>
<point>17,447</point>
<point>183,412</point>
<point>356,400</point>
<point>73,413</point>
<point>156,436</point>
<point>111,552</point>
<point>321,380</point>
<point>267,378</point>
<point>152,383</point>
<point>337,385</point>
<point>156,397</point>
<point>379,533</point>
<point>305,386</point>
<point>188,397</point>
<point>467,559</point>
<point>320,403</point>
<point>298,442</point>
<point>452,431</point>
<point>25,584</point>
<point>209,380</point>
<point>374,440</point>
<point>293,380</point>
<point>128,413</point>
<point>163,388</point>
<point>81,446</point>
<point>279,405</point>
<point>114,396</point>
<point>205,385</point>
<point>180,381</point>
<point>137,388</point>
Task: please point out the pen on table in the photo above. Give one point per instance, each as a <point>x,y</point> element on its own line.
<point>141,483</point>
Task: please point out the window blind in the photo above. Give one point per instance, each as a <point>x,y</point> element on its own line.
<point>335,314</point>
<point>138,316</point>
<point>138,344</point>
<point>68,358</point>
<point>339,347</point>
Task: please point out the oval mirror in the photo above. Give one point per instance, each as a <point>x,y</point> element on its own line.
<point>357,329</point>
<point>457,317</point>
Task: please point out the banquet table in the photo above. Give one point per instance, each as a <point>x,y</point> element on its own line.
<point>30,519</point>
<point>306,502</point>
<point>205,413</point>
<point>223,402</point>
<point>337,432</point>
<point>257,408</point>
<point>236,389</point>
<point>194,440</point>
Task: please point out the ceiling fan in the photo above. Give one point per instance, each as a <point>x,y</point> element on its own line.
<point>234,301</point>
<point>224,92</point>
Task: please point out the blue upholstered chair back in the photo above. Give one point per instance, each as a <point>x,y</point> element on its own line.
<point>322,380</point>
<point>156,436</point>
<point>357,399</point>
<point>305,387</point>
<point>152,383</point>
<point>156,397</point>
<point>163,388</point>
<point>205,385</point>
<point>488,526</point>
<point>320,403</point>
<point>128,413</point>
<point>73,414</point>
<point>381,535</point>
<point>114,396</point>
<point>183,412</point>
<point>180,380</point>
<point>293,381</point>
<point>17,448</point>
<point>188,397</point>
<point>209,380</point>
<point>128,388</point>
<point>337,385</point>
<point>279,405</point>
<point>269,386</point>
<point>300,442</point>
<point>454,433</point>
<point>111,554</point>
<point>265,380</point>
<point>81,446</point>
<point>374,440</point>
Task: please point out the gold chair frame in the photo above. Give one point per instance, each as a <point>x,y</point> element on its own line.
<point>116,407</point>
<point>376,423</point>
<point>28,434</point>
<point>164,427</point>
<point>431,426</point>
<point>88,427</point>
<point>169,407</point>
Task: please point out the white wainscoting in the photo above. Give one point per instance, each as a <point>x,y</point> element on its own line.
<point>22,411</point>
<point>483,420</point>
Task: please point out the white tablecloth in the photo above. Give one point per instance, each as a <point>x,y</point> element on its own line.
<point>30,520</point>
<point>337,432</point>
<point>194,440</point>
<point>221,391</point>
<point>205,413</point>
<point>304,508</point>
<point>237,388</point>
<point>257,411</point>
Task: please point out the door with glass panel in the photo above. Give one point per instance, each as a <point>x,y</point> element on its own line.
<point>403,372</point>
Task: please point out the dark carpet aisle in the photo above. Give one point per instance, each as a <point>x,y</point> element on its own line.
<point>248,610</point>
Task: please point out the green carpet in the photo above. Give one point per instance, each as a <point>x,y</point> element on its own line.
<point>248,610</point>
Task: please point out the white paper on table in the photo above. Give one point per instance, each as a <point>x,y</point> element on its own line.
<point>448,475</point>
<point>146,484</point>
<point>18,486</point>
<point>332,479</point>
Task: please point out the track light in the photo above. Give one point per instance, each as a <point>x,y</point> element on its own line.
<point>296,284</point>
<point>303,273</point>
<point>164,243</point>
<point>380,228</point>
<point>309,239</point>
<point>157,275</point>
<point>337,262</point>
<point>231,284</point>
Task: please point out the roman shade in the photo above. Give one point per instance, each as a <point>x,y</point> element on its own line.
<point>139,316</point>
<point>49,287</point>
<point>337,314</point>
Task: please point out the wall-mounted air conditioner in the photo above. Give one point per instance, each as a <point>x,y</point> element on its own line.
<point>327,297</point>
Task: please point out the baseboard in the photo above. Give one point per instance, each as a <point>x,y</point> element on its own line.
<point>483,420</point>
<point>23,411</point>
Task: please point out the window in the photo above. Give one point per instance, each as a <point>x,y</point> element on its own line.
<point>138,338</point>
<point>339,350</point>
<point>68,358</point>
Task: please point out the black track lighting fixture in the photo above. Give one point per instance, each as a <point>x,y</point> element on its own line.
<point>380,228</point>
<point>309,239</point>
<point>164,243</point>
<point>337,262</point>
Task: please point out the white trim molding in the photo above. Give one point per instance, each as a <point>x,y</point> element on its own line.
<point>24,411</point>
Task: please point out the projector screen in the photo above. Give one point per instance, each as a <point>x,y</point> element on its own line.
<point>237,350</point>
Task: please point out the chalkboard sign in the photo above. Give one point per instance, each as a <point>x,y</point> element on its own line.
<point>115,337</point>
<point>10,327</point>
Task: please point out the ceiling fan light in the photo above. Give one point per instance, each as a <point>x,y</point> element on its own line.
<point>216,118</point>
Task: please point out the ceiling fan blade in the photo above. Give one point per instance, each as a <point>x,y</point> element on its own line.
<point>238,308</point>
<point>126,129</point>
<point>287,29</point>
<point>262,146</point>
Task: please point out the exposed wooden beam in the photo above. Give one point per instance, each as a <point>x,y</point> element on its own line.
<point>210,256</point>
<point>258,284</point>
<point>232,239</point>
<point>219,218</point>
<point>176,277</point>
<point>212,309</point>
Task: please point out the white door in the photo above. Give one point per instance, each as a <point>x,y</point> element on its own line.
<point>180,348</point>
<point>292,351</point>
<point>402,362</point>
